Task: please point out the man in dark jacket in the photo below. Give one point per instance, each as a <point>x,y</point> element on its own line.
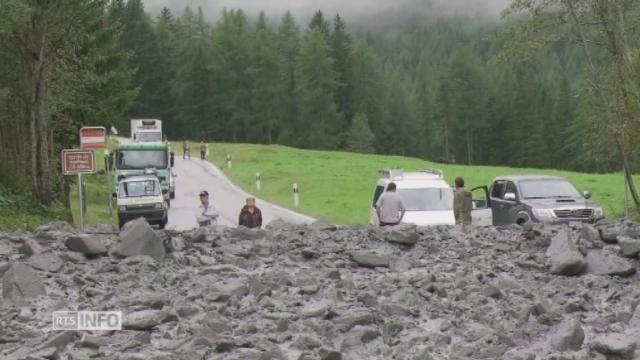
<point>462,203</point>
<point>250,215</point>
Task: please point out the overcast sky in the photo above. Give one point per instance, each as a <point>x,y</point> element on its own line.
<point>347,8</point>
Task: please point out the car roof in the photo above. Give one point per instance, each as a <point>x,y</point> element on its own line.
<point>517,178</point>
<point>139,178</point>
<point>417,183</point>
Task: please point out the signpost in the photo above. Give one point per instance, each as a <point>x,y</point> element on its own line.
<point>78,162</point>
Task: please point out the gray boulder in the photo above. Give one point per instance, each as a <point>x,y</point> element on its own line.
<point>241,233</point>
<point>568,336</point>
<point>53,231</point>
<point>369,259</point>
<point>324,224</point>
<point>609,233</point>
<point>138,238</point>
<point>601,262</point>
<point>20,282</point>
<point>629,247</point>
<point>47,260</point>
<point>634,322</point>
<point>564,256</point>
<point>144,320</point>
<point>85,244</point>
<point>403,235</point>
<point>616,346</point>
<point>590,233</point>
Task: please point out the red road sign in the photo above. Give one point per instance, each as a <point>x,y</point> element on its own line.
<point>75,161</point>
<point>93,137</point>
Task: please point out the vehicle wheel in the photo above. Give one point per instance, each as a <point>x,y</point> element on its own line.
<point>162,224</point>
<point>521,222</point>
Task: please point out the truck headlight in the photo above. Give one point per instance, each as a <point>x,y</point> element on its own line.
<point>543,213</point>
<point>159,206</point>
<point>598,212</point>
<point>123,208</point>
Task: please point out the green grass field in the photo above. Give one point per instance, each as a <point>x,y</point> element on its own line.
<point>339,185</point>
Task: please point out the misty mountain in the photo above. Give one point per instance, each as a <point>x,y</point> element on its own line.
<point>372,11</point>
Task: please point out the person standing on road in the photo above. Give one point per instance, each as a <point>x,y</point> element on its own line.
<point>389,207</point>
<point>462,203</point>
<point>207,213</point>
<point>186,152</point>
<point>250,215</point>
<point>203,150</point>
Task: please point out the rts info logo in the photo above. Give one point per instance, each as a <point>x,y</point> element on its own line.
<point>87,320</point>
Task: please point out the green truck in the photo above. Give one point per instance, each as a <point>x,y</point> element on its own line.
<point>134,159</point>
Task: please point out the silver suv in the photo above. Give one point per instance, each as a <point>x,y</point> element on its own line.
<point>540,198</point>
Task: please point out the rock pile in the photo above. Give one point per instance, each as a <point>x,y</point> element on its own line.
<point>326,292</point>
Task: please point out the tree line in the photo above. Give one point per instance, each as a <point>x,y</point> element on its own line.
<point>554,84</point>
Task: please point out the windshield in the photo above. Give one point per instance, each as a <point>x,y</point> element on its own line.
<point>544,189</point>
<point>432,199</point>
<point>142,159</point>
<point>148,136</point>
<point>139,188</point>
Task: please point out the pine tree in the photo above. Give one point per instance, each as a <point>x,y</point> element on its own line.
<point>360,137</point>
<point>341,46</point>
<point>317,84</point>
<point>319,23</point>
<point>288,42</point>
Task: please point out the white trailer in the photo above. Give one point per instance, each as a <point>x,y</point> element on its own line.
<point>146,130</point>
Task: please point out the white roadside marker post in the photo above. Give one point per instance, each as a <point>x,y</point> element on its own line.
<point>296,195</point>
<point>228,161</point>
<point>258,181</point>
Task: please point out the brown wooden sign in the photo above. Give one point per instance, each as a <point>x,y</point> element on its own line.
<point>76,161</point>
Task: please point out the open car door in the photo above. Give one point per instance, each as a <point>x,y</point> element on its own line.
<point>481,209</point>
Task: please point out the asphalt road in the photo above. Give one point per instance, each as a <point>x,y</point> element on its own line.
<point>193,176</point>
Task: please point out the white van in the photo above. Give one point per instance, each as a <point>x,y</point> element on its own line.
<point>428,198</point>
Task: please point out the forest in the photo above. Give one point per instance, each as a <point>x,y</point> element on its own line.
<point>540,87</point>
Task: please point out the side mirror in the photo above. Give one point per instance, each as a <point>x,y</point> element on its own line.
<point>114,194</point>
<point>586,194</point>
<point>510,197</point>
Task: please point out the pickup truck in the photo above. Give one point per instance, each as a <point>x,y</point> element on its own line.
<point>526,199</point>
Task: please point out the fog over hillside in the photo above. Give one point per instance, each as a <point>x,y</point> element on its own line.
<point>350,9</point>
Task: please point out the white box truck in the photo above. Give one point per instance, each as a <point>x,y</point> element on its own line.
<point>146,130</point>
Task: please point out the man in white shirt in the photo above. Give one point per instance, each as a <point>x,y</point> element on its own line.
<point>389,207</point>
<point>207,213</point>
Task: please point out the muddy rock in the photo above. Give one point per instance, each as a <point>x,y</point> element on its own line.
<point>602,262</point>
<point>20,283</point>
<point>138,238</point>
<point>324,224</point>
<point>609,232</point>
<point>569,335</point>
<point>564,256</point>
<point>46,260</point>
<point>616,346</point>
<point>629,247</point>
<point>86,244</point>
<point>370,260</point>
<point>405,235</point>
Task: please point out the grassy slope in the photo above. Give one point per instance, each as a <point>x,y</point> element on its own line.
<point>339,185</point>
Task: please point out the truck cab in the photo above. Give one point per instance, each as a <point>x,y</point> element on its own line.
<point>134,159</point>
<point>526,199</point>
<point>141,196</point>
<point>146,130</point>
<point>428,199</point>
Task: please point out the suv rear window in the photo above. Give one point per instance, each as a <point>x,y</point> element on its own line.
<point>498,189</point>
<point>376,194</point>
